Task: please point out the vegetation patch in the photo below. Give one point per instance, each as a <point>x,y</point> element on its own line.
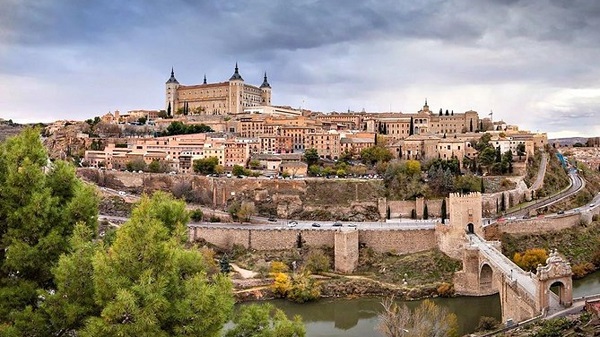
<point>580,245</point>
<point>420,268</point>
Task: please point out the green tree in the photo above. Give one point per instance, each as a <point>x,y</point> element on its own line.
<point>157,166</point>
<point>265,321</point>
<point>425,212</point>
<point>197,214</point>
<point>136,165</point>
<point>147,284</point>
<point>375,154</point>
<point>238,170</point>
<point>311,157</point>
<point>412,127</point>
<point>521,150</point>
<point>444,211</point>
<point>206,165</point>
<point>40,203</point>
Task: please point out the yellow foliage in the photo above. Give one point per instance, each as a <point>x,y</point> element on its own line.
<point>278,267</point>
<point>282,284</point>
<point>582,269</point>
<point>413,167</point>
<point>529,259</point>
<point>445,290</point>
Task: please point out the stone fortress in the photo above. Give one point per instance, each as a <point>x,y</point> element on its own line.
<point>220,98</point>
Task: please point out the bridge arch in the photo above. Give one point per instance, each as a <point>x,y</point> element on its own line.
<point>560,289</point>
<point>486,276</point>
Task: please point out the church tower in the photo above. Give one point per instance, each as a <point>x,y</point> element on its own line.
<point>171,94</point>
<point>265,94</point>
<point>236,91</point>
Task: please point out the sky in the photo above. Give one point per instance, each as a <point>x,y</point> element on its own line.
<point>533,63</point>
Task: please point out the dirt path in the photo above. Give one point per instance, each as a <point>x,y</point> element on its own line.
<point>243,272</point>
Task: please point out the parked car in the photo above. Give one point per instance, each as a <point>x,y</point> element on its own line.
<point>592,205</point>
<point>316,224</point>
<point>351,225</point>
<point>560,212</point>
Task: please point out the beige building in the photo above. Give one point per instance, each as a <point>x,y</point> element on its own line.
<point>230,97</point>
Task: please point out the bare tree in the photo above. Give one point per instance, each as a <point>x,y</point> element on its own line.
<point>428,320</point>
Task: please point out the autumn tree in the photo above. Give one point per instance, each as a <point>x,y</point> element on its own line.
<point>529,259</point>
<point>427,319</point>
<point>375,154</point>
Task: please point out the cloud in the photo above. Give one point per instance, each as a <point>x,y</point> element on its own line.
<point>524,60</point>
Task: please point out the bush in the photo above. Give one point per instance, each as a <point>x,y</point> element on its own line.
<point>278,267</point>
<point>529,259</point>
<point>214,218</point>
<point>196,215</point>
<point>282,284</point>
<point>487,324</point>
<point>445,290</point>
<point>304,288</point>
<point>317,262</point>
<point>582,269</point>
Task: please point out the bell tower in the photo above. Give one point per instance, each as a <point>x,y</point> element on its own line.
<point>171,94</point>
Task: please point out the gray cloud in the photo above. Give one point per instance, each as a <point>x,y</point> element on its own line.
<point>509,56</point>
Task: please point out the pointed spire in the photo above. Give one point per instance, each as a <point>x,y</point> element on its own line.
<point>236,75</point>
<point>265,83</point>
<point>426,102</point>
<point>172,79</point>
<point>204,79</point>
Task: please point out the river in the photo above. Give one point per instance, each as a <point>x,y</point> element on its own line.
<point>358,317</point>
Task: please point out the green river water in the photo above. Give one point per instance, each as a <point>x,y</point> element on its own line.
<point>358,317</point>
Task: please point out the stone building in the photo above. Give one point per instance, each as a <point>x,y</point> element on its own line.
<point>230,97</point>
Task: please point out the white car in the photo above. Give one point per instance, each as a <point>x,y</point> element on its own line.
<point>292,224</point>
<point>121,193</point>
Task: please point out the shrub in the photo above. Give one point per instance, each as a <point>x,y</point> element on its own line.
<point>282,284</point>
<point>278,267</point>
<point>487,324</point>
<point>214,218</point>
<point>582,269</point>
<point>529,259</point>
<point>445,290</point>
<point>304,288</point>
<point>317,262</point>
<point>196,215</point>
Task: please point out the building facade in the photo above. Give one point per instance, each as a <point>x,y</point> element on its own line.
<point>230,97</point>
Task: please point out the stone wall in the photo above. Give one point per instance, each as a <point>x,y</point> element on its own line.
<point>398,241</point>
<point>535,225</point>
<point>403,208</point>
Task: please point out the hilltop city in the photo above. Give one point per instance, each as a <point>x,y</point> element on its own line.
<point>241,126</point>
<point>430,203</point>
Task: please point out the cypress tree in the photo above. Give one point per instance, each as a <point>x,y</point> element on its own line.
<point>425,212</point>
<point>413,214</point>
<point>503,203</point>
<point>169,110</point>
<point>440,111</point>
<point>388,213</point>
<point>443,211</point>
<point>412,127</point>
<point>471,125</point>
<point>447,112</point>
<point>482,186</point>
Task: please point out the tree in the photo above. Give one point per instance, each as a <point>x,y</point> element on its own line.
<point>157,166</point>
<point>40,204</point>
<point>238,170</point>
<point>412,127</point>
<point>529,259</point>
<point>246,211</point>
<point>169,110</point>
<point>427,319</point>
<point>520,150</point>
<point>444,211</point>
<point>136,165</point>
<point>265,321</point>
<point>206,165</point>
<point>425,212</point>
<point>147,283</point>
<point>471,125</point>
<point>440,112</point>
<point>311,156</point>
<point>375,154</point>
<point>142,120</point>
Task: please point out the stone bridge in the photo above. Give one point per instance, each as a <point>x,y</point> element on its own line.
<point>487,271</point>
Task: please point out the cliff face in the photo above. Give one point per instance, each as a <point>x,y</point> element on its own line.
<point>311,199</point>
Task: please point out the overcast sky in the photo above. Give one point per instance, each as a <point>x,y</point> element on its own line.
<point>533,63</point>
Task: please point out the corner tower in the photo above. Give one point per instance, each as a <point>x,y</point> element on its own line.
<point>171,94</point>
<point>236,92</point>
<point>265,91</point>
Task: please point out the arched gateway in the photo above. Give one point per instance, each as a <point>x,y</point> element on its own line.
<point>555,274</point>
